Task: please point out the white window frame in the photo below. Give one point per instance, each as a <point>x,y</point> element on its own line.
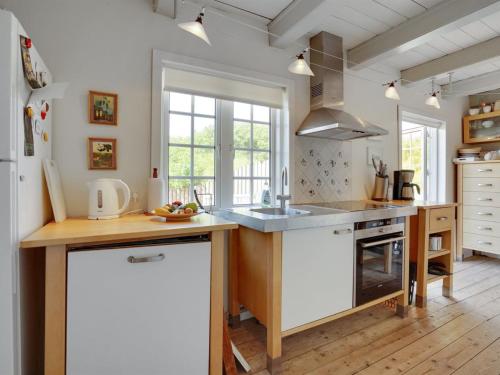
<point>281,137</point>
<point>439,149</point>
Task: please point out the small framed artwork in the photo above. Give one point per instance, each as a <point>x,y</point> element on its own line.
<point>102,153</point>
<point>103,108</point>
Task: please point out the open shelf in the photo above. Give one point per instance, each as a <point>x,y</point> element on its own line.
<point>439,253</point>
<point>432,278</point>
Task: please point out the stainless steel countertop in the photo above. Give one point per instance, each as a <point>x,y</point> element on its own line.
<point>318,217</point>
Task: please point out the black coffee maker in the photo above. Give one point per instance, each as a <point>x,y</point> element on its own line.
<point>403,186</point>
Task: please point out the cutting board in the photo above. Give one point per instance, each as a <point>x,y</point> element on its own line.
<point>55,189</point>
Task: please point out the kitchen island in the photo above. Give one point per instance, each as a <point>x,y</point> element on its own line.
<point>77,252</point>
<point>306,265</point>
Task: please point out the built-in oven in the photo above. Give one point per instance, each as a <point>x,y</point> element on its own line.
<point>378,258</point>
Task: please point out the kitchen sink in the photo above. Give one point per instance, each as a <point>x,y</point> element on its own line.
<point>277,211</point>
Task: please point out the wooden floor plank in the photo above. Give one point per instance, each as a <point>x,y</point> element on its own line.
<point>485,363</point>
<point>458,335</point>
<point>461,351</point>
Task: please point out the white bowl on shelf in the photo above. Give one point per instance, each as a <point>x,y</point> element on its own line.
<point>473,111</point>
<point>487,109</point>
<point>487,124</point>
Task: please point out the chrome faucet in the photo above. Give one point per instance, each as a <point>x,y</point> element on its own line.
<point>284,182</point>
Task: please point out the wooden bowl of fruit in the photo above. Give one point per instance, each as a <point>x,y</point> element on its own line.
<point>177,211</point>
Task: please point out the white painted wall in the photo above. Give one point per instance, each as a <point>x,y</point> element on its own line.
<point>107,45</point>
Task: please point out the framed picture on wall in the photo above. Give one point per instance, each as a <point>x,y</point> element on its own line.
<point>102,153</point>
<point>103,108</point>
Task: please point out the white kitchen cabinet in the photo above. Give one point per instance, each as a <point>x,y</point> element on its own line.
<point>317,274</point>
<point>147,318</point>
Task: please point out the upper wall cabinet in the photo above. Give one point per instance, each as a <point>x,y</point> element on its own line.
<point>482,128</point>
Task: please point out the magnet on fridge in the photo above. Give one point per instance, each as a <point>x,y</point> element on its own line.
<point>38,127</point>
<point>45,137</point>
<point>29,112</point>
<point>28,43</point>
<point>46,107</point>
<point>43,115</point>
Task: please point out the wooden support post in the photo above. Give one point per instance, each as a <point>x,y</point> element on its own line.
<point>274,258</point>
<point>234,303</point>
<point>423,253</point>
<point>55,310</point>
<point>448,281</point>
<point>402,307</point>
<point>216,302</point>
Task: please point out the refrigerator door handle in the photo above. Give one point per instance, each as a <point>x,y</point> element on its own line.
<point>7,160</point>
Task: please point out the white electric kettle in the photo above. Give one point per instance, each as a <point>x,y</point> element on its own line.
<point>103,198</point>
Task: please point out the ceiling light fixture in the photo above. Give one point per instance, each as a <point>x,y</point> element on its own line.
<point>196,27</point>
<point>390,91</point>
<point>433,100</point>
<point>299,66</point>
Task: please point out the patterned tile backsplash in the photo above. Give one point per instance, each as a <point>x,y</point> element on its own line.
<point>323,170</point>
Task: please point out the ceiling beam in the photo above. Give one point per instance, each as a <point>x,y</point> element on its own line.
<point>164,7</point>
<point>439,19</point>
<point>456,60</point>
<point>474,85</point>
<point>296,20</point>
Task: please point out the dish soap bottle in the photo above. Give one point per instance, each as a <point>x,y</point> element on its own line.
<point>265,199</point>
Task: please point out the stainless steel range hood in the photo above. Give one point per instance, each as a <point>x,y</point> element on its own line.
<point>327,119</point>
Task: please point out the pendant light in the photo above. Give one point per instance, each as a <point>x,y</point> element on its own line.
<point>390,91</point>
<point>299,66</point>
<point>196,27</point>
<point>433,100</point>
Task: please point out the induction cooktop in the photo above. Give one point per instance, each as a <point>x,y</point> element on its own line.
<point>354,205</point>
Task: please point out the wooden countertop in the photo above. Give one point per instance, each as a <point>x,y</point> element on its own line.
<point>420,204</point>
<point>477,161</point>
<point>137,227</point>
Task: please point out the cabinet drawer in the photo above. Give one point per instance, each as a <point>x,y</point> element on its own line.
<point>482,213</point>
<point>482,170</point>
<point>487,228</point>
<point>441,219</point>
<point>491,184</point>
<point>481,198</point>
<point>482,243</point>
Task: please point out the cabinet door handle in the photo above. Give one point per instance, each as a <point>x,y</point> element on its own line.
<point>484,228</point>
<point>485,199</point>
<point>154,258</point>
<point>485,170</point>
<point>442,218</point>
<point>484,243</point>
<point>484,214</point>
<point>342,231</point>
<point>485,185</point>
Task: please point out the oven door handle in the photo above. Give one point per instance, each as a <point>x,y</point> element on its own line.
<point>364,245</point>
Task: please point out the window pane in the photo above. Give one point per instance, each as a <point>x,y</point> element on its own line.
<point>204,105</point>
<point>241,164</point>
<point>242,134</point>
<point>260,113</point>
<point>258,187</point>
<point>261,164</point>
<point>206,191</point>
<point>204,131</point>
<point>242,111</point>
<point>241,191</point>
<point>179,161</point>
<point>180,129</point>
<point>204,162</point>
<point>178,190</point>
<point>180,102</point>
<point>261,136</point>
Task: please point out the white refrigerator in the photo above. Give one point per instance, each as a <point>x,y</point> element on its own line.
<point>24,205</point>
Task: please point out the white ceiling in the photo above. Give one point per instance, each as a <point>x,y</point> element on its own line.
<point>266,8</point>
<point>357,21</point>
